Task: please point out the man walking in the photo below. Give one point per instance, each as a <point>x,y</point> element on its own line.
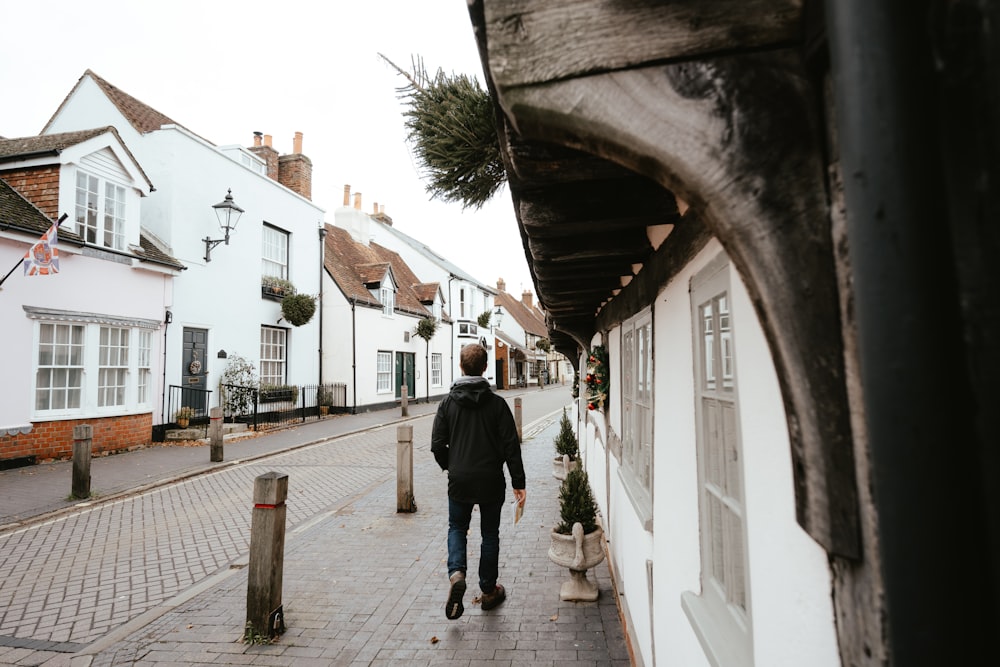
<point>473,436</point>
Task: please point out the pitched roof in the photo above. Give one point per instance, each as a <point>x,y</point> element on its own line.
<point>426,251</point>
<point>140,115</point>
<point>426,292</point>
<point>530,319</point>
<point>353,265</point>
<point>18,213</point>
<point>45,144</point>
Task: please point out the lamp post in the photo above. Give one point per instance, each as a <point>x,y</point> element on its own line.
<point>228,214</point>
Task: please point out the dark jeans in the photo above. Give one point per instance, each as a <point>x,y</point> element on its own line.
<point>459,516</point>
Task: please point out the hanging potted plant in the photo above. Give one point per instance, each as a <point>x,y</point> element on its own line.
<point>578,541</point>
<point>567,449</point>
<point>298,309</point>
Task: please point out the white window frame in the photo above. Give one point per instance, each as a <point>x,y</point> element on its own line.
<point>60,364</point>
<point>99,210</point>
<point>383,372</point>
<point>144,367</point>
<point>637,413</point>
<point>274,252</point>
<point>461,302</point>
<point>720,612</point>
<point>387,295</point>
<point>113,367</point>
<point>273,355</point>
<point>87,364</point>
<point>436,368</point>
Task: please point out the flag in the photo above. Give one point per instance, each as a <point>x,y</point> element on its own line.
<point>42,259</point>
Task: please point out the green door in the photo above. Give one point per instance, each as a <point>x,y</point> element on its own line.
<point>405,366</point>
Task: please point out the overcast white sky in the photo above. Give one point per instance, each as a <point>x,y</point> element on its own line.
<point>227,68</point>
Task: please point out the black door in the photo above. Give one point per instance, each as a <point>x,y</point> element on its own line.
<point>194,369</point>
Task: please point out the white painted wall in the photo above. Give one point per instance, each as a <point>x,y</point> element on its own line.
<point>222,296</point>
<point>359,340</point>
<point>789,581</point>
<point>84,284</point>
<point>430,267</point>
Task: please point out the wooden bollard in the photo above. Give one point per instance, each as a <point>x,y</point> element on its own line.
<point>404,469</point>
<point>403,395</point>
<point>265,616</point>
<point>517,417</point>
<point>82,441</point>
<point>215,434</point>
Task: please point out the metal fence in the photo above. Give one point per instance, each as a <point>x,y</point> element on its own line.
<point>267,407</point>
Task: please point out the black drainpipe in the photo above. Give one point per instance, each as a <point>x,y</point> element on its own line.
<point>917,398</point>
<point>322,268</point>
<point>354,358</point>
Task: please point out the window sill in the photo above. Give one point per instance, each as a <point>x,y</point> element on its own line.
<point>722,646</point>
<point>639,499</point>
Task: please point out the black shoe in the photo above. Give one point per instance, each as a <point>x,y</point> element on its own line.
<point>494,599</point>
<point>453,608</point>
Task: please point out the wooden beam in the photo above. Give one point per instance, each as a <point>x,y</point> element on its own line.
<point>538,41</point>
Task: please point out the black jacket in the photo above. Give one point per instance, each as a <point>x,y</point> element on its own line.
<point>473,436</point>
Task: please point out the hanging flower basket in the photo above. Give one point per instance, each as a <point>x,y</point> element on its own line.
<point>597,379</point>
<point>298,309</point>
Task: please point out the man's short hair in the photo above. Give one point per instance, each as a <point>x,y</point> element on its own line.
<point>472,359</point>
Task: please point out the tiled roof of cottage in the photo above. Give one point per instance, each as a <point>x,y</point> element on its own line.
<point>140,115</point>
<point>22,147</point>
<point>352,265</point>
<point>530,319</point>
<point>426,292</point>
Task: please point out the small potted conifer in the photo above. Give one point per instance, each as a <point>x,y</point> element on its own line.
<point>578,541</point>
<point>567,449</point>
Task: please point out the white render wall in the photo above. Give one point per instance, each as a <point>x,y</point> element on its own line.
<point>371,332</point>
<point>789,581</point>
<point>189,176</point>
<point>428,270</point>
<point>85,285</point>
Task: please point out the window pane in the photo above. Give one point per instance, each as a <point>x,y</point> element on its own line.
<point>274,253</point>
<point>707,346</point>
<point>59,373</point>
<point>272,355</point>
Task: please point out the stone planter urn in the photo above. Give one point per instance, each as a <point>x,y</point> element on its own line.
<point>561,465</point>
<point>579,553</point>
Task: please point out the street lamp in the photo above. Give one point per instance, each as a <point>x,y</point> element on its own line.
<point>228,214</point>
<point>497,316</point>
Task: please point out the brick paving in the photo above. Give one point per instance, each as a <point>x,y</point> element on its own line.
<point>362,584</point>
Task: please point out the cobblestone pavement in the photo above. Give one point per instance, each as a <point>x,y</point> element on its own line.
<point>159,578</point>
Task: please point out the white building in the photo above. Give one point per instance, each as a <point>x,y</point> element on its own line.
<point>82,345</point>
<point>466,299</point>
<point>218,307</point>
<point>372,304</point>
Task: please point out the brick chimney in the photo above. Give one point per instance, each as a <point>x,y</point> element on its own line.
<point>501,285</point>
<point>526,298</point>
<point>266,153</point>
<point>380,216</point>
<point>295,170</point>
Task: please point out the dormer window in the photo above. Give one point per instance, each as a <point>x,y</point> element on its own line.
<point>387,295</point>
<point>100,211</point>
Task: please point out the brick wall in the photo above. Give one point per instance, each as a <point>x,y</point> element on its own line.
<point>295,173</point>
<point>54,439</point>
<point>39,185</point>
<point>270,157</point>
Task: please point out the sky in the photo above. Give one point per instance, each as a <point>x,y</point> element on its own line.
<point>227,68</point>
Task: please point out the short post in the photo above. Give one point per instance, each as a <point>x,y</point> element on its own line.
<point>265,616</point>
<point>215,434</point>
<point>404,469</point>
<point>517,417</point>
<point>403,394</point>
<point>82,441</point>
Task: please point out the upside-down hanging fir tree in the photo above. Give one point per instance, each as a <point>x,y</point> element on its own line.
<point>452,127</point>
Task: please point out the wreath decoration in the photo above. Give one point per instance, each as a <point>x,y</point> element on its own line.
<point>597,378</point>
